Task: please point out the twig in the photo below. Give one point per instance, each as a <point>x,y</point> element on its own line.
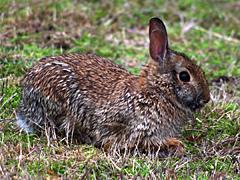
<point>182,165</point>
<point>114,164</point>
<point>225,38</point>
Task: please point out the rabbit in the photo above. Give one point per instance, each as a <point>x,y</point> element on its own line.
<point>100,103</point>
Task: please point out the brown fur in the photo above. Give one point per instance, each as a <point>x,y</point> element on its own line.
<point>107,106</point>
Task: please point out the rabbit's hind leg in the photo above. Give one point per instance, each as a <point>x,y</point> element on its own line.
<point>36,113</point>
<point>29,115</point>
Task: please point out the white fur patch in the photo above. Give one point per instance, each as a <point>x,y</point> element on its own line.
<point>21,122</point>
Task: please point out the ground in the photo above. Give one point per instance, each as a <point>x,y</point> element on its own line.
<point>207,31</point>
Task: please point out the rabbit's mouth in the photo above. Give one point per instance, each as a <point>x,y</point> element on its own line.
<point>195,106</point>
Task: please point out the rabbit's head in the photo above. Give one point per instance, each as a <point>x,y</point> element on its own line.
<point>185,79</point>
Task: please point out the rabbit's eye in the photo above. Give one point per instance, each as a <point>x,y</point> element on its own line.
<point>184,76</point>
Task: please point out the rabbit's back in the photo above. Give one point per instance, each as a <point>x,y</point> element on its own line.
<point>57,78</point>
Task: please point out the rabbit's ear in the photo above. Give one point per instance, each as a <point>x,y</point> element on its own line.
<point>158,39</point>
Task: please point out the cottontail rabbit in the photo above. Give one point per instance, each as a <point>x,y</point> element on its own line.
<point>107,106</point>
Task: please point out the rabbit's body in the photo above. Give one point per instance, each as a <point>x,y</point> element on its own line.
<point>105,105</point>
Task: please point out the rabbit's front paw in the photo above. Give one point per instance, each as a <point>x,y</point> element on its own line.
<point>107,146</point>
<point>174,146</point>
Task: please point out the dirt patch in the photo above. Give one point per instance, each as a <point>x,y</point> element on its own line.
<point>45,27</point>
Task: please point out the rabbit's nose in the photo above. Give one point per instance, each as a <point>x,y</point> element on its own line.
<point>202,102</point>
<point>206,96</point>
<point>203,97</point>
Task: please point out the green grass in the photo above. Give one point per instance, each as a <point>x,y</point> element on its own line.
<point>118,30</point>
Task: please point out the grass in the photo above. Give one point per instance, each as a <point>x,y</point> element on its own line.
<point>205,30</point>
